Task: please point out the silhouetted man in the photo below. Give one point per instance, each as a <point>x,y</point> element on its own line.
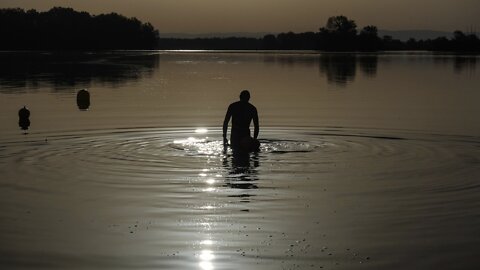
<point>242,114</point>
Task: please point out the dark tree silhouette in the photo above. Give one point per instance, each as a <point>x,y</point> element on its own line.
<point>368,39</point>
<point>465,42</point>
<point>341,25</point>
<point>270,42</point>
<point>67,29</point>
<point>388,43</point>
<point>339,34</point>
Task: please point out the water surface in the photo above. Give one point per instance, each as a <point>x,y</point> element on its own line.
<point>366,161</point>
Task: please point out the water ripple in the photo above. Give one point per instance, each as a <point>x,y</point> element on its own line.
<point>182,187</point>
<point>150,151</point>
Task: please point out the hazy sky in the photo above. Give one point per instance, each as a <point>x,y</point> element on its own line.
<point>204,16</point>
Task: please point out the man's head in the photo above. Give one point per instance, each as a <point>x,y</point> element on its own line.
<point>245,96</point>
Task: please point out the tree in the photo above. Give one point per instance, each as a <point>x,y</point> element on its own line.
<point>67,29</point>
<point>341,25</point>
<point>369,31</point>
<point>368,39</point>
<point>270,42</point>
<point>465,42</point>
<point>339,34</point>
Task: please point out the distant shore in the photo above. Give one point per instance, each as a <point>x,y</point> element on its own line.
<point>66,29</point>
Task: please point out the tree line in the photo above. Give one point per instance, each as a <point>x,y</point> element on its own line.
<point>339,34</point>
<point>66,29</point>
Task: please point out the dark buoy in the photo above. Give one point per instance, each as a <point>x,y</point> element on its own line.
<point>24,118</point>
<point>83,100</point>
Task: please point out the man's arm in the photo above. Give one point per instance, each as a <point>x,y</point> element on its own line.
<point>256,129</point>
<point>225,124</point>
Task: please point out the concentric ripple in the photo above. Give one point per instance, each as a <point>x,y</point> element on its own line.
<point>306,189</point>
<point>142,154</point>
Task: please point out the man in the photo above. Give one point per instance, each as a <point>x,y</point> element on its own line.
<point>242,114</point>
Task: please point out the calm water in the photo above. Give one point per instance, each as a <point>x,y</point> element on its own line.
<point>367,161</point>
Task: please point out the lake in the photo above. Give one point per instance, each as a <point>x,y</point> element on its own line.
<point>367,161</point>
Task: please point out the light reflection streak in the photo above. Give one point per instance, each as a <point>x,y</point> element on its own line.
<point>201,130</point>
<point>210,189</point>
<point>210,181</point>
<point>203,146</point>
<point>206,242</point>
<point>206,258</point>
<point>189,140</point>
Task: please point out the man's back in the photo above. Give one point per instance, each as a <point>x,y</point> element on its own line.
<point>242,114</point>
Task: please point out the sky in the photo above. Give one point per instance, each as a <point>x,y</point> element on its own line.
<point>213,16</point>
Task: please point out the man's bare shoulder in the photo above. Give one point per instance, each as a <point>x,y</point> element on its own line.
<point>241,106</point>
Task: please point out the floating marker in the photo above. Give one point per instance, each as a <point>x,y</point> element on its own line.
<point>83,100</point>
<point>23,118</point>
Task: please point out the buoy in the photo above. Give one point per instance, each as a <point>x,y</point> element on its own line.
<point>83,100</point>
<point>24,118</point>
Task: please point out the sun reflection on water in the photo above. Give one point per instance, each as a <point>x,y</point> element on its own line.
<point>189,140</point>
<point>201,130</point>
<point>206,259</point>
<point>210,189</point>
<point>200,144</point>
<point>206,242</point>
<point>206,255</point>
<point>210,181</point>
